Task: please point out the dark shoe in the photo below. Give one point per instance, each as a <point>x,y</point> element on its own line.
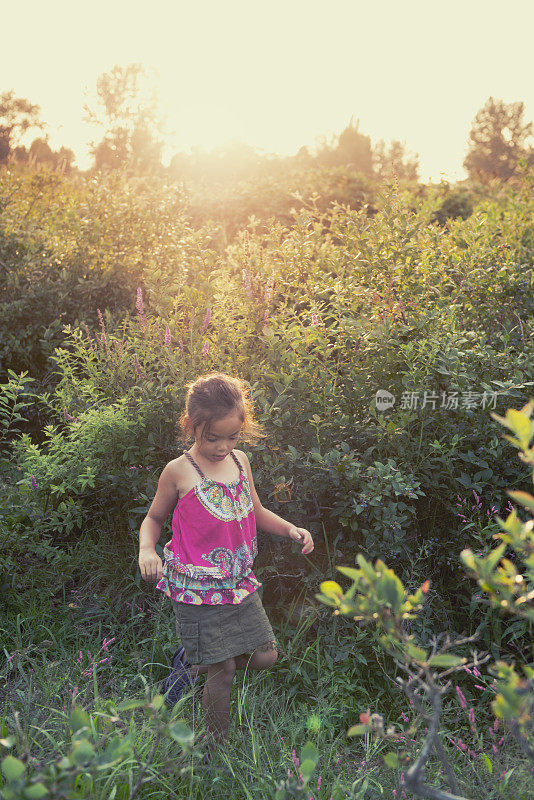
<point>180,679</point>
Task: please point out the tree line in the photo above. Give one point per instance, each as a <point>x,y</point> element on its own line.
<point>132,128</point>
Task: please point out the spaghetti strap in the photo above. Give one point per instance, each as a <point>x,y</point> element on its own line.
<point>237,461</point>
<point>194,463</point>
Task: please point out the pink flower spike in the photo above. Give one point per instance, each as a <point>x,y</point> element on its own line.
<point>315,321</point>
<point>494,749</point>
<point>461,696</point>
<point>206,347</point>
<point>206,322</point>
<point>476,673</point>
<point>167,336</point>
<point>496,724</point>
<point>478,686</point>
<point>139,305</point>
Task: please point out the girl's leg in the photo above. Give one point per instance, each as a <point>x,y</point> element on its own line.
<point>262,657</point>
<point>216,697</point>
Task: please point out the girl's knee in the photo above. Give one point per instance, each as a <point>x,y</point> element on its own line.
<point>265,655</point>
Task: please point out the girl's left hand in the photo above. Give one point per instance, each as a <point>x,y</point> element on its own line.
<point>303,536</point>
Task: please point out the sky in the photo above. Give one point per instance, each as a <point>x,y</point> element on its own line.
<point>278,74</point>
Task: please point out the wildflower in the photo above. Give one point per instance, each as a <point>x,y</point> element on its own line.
<point>206,322</point>
<point>139,305</point>
<point>107,642</point>
<point>167,336</point>
<point>319,779</point>
<point>269,288</point>
<point>315,321</point>
<point>103,336</point>
<point>476,673</point>
<point>496,725</point>
<point>472,720</point>
<point>246,282</point>
<point>206,347</point>
<point>33,483</point>
<point>461,697</point>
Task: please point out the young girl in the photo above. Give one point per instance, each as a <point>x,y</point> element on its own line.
<point>207,574</point>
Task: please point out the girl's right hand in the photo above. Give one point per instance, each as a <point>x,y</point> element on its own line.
<point>150,565</point>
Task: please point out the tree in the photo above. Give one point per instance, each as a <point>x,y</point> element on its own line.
<point>129,116</point>
<point>395,162</point>
<point>352,149</point>
<point>16,116</point>
<point>497,140</point>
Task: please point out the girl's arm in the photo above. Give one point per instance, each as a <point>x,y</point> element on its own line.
<point>164,501</point>
<point>270,522</point>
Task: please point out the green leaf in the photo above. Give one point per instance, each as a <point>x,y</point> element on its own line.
<point>82,752</point>
<point>520,424</point>
<point>366,568</point>
<point>157,701</point>
<point>524,498</point>
<point>416,653</point>
<point>79,719</point>
<point>181,732</point>
<point>350,572</point>
<point>331,589</point>
<point>357,730</point>
<point>310,751</point>
<point>495,556</point>
<point>13,768</point>
<point>306,767</point>
<point>488,763</point>
<point>129,705</point>
<point>446,660</point>
<point>391,760</point>
<point>35,791</point>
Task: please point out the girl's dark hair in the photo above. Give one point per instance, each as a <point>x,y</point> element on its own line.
<point>211,397</point>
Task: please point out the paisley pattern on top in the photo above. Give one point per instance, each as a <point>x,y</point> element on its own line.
<point>214,543</point>
<point>213,497</point>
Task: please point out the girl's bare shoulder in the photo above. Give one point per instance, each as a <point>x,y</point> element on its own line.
<point>177,469</point>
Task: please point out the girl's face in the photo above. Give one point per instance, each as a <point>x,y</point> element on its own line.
<point>221,439</point>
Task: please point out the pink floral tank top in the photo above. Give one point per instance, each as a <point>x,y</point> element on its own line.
<point>214,543</point>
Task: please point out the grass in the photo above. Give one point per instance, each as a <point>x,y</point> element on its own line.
<point>329,674</point>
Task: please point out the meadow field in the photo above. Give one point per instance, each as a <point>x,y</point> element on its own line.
<point>381,330</point>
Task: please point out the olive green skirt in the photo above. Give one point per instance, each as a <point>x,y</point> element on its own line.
<point>211,634</point>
